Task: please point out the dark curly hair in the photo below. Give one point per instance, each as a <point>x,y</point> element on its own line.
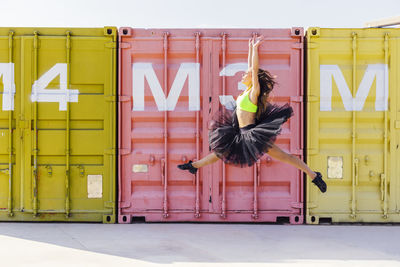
<point>267,83</point>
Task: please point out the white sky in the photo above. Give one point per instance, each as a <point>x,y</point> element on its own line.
<point>195,14</point>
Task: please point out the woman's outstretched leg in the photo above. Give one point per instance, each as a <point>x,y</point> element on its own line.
<point>281,155</point>
<point>209,159</point>
<point>193,166</point>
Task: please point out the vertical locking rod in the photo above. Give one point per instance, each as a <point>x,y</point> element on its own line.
<point>223,202</point>
<point>10,129</point>
<point>165,204</point>
<point>197,205</point>
<point>67,130</point>
<point>256,182</point>
<point>35,128</point>
<point>385,142</point>
<point>353,133</point>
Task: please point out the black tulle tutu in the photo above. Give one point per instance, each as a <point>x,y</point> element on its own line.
<point>244,146</point>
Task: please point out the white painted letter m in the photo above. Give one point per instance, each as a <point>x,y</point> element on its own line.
<point>189,71</point>
<point>380,71</point>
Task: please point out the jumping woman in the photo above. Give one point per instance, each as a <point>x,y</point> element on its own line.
<point>242,136</point>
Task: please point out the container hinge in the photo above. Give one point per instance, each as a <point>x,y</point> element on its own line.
<point>311,205</point>
<point>298,98</point>
<point>312,98</point>
<point>312,151</point>
<point>124,45</point>
<point>297,45</point>
<point>110,98</point>
<point>397,124</point>
<point>124,151</point>
<point>109,204</point>
<point>111,45</point>
<point>110,151</point>
<point>124,98</point>
<point>297,205</point>
<point>124,204</point>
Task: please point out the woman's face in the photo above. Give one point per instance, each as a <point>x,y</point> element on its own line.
<point>246,78</point>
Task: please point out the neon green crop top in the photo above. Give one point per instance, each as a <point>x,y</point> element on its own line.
<point>243,102</point>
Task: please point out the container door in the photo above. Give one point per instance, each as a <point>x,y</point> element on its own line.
<point>161,122</point>
<point>350,125</point>
<point>67,124</point>
<point>57,124</point>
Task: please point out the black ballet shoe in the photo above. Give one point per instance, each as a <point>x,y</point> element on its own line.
<point>319,182</point>
<point>188,166</point>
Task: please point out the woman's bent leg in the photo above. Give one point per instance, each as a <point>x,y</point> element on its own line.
<point>281,155</point>
<point>209,159</point>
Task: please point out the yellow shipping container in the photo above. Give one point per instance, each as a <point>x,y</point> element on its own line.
<point>353,124</point>
<point>57,124</point>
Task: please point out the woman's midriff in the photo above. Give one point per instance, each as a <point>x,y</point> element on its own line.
<point>245,117</point>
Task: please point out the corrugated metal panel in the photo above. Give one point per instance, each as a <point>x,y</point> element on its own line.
<point>57,140</point>
<point>352,124</point>
<point>154,138</point>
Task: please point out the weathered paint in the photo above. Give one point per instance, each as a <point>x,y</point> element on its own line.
<point>171,83</point>
<point>57,124</point>
<point>352,113</point>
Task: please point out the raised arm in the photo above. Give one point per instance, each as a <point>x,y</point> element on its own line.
<point>249,58</point>
<point>255,91</point>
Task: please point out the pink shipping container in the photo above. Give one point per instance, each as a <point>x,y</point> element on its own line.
<point>171,83</point>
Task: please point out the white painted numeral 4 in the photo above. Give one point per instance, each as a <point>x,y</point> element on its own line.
<point>7,72</point>
<point>62,95</point>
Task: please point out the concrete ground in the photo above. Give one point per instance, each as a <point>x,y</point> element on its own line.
<point>157,244</point>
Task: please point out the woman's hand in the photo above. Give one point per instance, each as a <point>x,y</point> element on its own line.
<point>258,40</point>
<point>251,42</point>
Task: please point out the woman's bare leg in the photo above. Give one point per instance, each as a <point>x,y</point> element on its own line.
<point>281,155</point>
<point>209,159</point>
